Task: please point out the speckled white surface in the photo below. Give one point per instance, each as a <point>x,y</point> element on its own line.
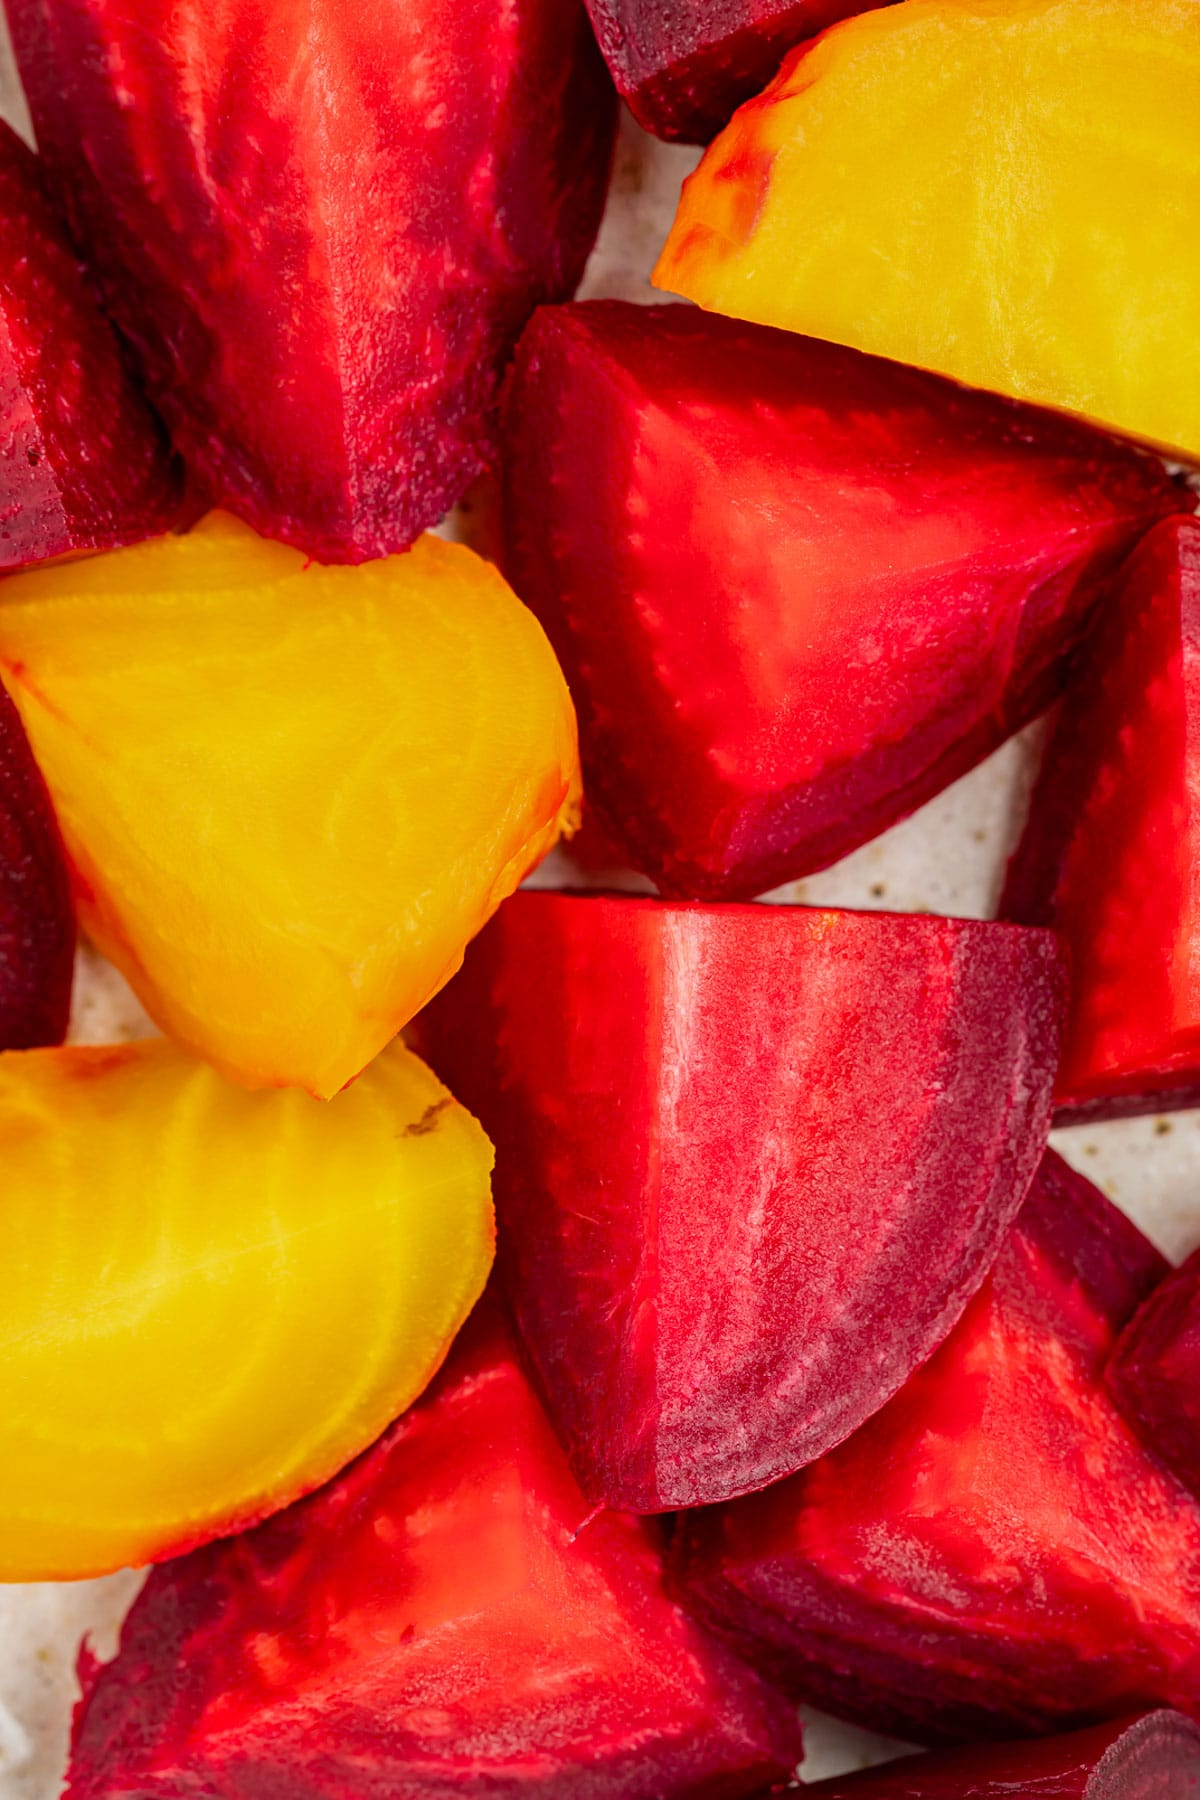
<point>946,859</point>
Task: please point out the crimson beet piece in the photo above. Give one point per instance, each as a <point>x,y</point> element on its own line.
<point>1154,1757</point>
<point>83,464</point>
<point>684,66</point>
<point>795,590</point>
<point>438,1620</point>
<point>1110,852</point>
<point>37,920</point>
<point>1154,1372</point>
<point>322,225</point>
<point>751,1163</point>
<point>996,1553</point>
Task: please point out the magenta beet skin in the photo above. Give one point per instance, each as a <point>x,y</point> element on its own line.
<point>1110,852</point>
<point>995,1554</point>
<point>751,1163</point>
<point>37,920</point>
<point>322,225</point>
<point>795,590</point>
<point>684,66</point>
<point>1154,1372</point>
<point>83,464</point>
<point>1154,1757</point>
<point>434,1622</point>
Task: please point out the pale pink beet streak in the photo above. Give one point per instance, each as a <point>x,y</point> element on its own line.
<point>795,590</point>
<point>322,227</point>
<point>752,1162</point>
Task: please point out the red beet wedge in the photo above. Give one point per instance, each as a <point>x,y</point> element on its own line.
<point>83,464</point>
<point>430,1624</point>
<point>37,920</point>
<point>795,590</point>
<point>751,1163</point>
<point>684,66</point>
<point>1111,853</point>
<point>322,224</point>
<point>1155,1371</point>
<point>1154,1757</point>
<point>996,1553</point>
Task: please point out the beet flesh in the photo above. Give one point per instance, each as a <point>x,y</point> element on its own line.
<point>996,1553</point>
<point>729,1139</point>
<point>440,1620</point>
<point>795,590</point>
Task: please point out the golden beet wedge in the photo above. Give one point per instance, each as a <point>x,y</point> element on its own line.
<point>1003,190</point>
<point>290,794</point>
<point>214,1299</point>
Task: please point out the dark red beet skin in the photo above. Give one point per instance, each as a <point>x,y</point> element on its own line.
<point>1154,1757</point>
<point>83,464</point>
<point>795,590</point>
<point>996,1553</point>
<point>37,919</point>
<point>684,66</point>
<point>432,1623</point>
<point>322,225</point>
<point>1110,852</point>
<point>1155,1371</point>
<point>751,1163</point>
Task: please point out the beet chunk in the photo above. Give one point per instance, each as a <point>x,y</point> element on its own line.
<point>322,224</point>
<point>37,919</point>
<point>83,463</point>
<point>795,590</point>
<point>995,1553</point>
<point>1110,850</point>
<point>752,1162</point>
<point>1154,1757</point>
<point>1154,1371</point>
<point>434,1622</point>
<point>684,66</point>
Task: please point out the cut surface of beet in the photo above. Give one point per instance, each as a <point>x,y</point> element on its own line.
<point>442,1619</point>
<point>1154,1757</point>
<point>37,919</point>
<point>321,225</point>
<point>995,1553</point>
<point>686,65</point>
<point>751,1163</point>
<point>795,590</point>
<point>1110,853</point>
<point>1154,1372</point>
<point>83,463</point>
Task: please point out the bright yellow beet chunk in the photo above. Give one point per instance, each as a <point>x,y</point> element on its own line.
<point>214,1299</point>
<point>290,794</point>
<point>1003,190</point>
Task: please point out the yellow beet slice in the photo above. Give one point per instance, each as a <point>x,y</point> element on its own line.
<point>1006,191</point>
<point>290,794</point>
<point>214,1299</point>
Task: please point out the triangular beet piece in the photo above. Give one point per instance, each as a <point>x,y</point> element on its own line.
<point>1111,852</point>
<point>84,465</point>
<point>1154,1372</point>
<point>439,1620</point>
<point>795,590</point>
<point>321,226</point>
<point>1153,1757</point>
<point>995,1553</point>
<point>752,1162</point>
